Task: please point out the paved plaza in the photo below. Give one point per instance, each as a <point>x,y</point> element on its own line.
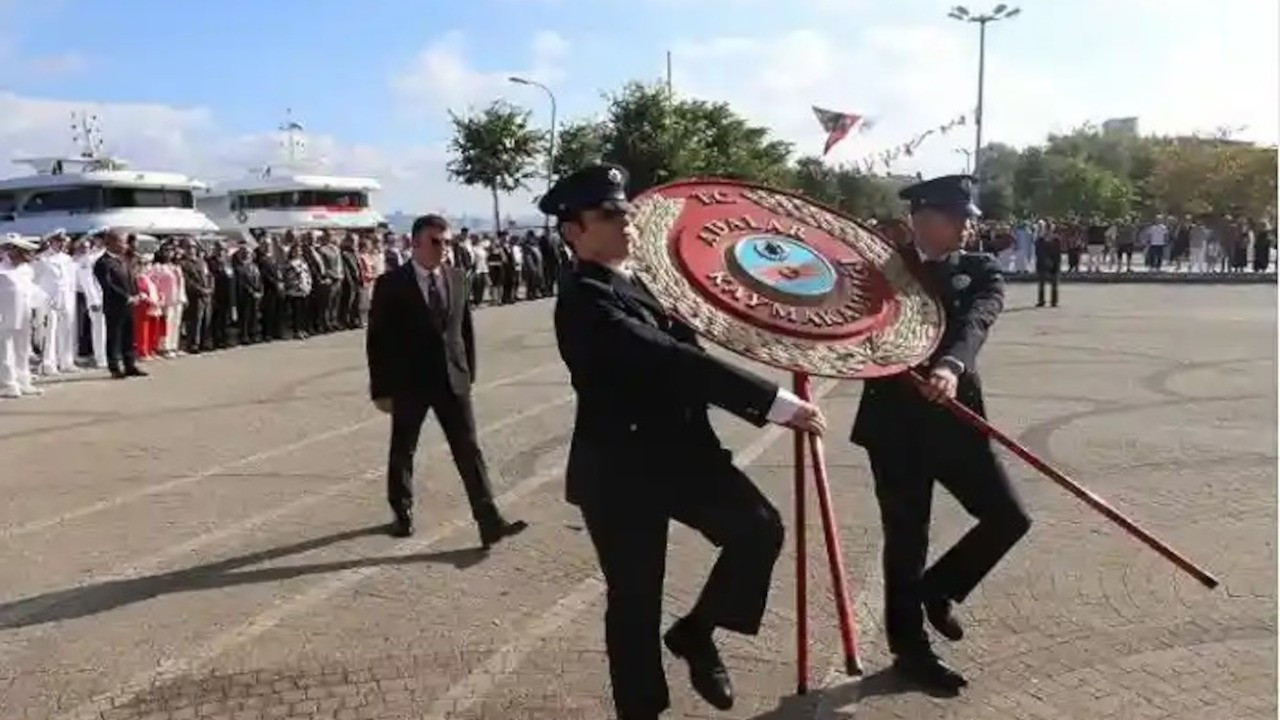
<point>207,543</point>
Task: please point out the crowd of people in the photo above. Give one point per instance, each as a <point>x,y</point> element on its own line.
<point>187,296</point>
<point>63,310</point>
<point>1203,244</point>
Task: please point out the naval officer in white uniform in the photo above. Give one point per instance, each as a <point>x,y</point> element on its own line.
<point>19,296</point>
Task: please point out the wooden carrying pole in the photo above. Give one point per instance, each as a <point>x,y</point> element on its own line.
<point>1097,503</point>
<point>811,446</point>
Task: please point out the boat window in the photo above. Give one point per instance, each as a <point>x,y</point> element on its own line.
<point>8,202</point>
<point>72,199</point>
<point>332,199</point>
<point>127,197</point>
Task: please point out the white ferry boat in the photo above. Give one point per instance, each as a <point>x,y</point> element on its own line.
<point>94,190</point>
<point>291,194</point>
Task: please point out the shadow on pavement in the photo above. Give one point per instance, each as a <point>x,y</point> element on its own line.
<point>101,597</point>
<point>839,702</point>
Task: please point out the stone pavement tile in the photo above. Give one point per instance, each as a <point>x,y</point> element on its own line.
<point>1173,422</point>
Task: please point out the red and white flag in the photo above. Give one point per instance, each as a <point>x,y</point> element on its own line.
<point>837,125</point>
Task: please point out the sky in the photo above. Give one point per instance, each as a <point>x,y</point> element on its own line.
<point>202,89</point>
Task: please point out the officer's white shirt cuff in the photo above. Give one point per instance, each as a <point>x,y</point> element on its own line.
<point>785,404</point>
<point>953,362</point>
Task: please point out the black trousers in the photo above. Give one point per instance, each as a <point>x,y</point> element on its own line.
<point>904,475</point>
<point>319,307</point>
<point>349,305</point>
<point>459,425</point>
<point>120,348</point>
<point>248,310</point>
<point>272,316</point>
<point>1050,278</point>
<point>333,313</point>
<point>299,314</point>
<point>196,318</point>
<point>220,321</point>
<point>629,531</point>
<point>510,283</point>
<point>84,330</point>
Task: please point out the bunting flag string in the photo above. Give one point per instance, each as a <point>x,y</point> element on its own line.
<point>885,159</point>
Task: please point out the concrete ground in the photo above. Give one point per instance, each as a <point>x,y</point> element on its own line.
<point>207,543</point>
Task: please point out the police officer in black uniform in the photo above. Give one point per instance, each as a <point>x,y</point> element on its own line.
<point>644,452</point>
<point>912,442</point>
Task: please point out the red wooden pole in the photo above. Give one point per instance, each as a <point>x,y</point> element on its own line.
<point>1094,501</point>
<point>835,556</point>
<point>799,384</point>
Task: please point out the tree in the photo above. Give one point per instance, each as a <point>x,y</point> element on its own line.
<point>660,138</point>
<point>847,189</point>
<point>495,149</point>
<point>995,181</point>
<point>715,141</point>
<point>578,145</point>
<point>1193,176</point>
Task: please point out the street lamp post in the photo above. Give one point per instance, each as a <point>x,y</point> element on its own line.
<point>551,145</point>
<point>961,13</point>
<point>968,155</point>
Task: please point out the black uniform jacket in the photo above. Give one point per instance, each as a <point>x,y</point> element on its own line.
<point>1049,254</point>
<point>117,280</point>
<point>644,385</point>
<point>892,411</point>
<point>411,354</point>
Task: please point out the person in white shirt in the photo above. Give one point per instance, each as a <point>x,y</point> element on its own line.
<point>18,297</point>
<point>1156,237</point>
<point>56,274</point>
<point>1200,237</point>
<point>86,254</point>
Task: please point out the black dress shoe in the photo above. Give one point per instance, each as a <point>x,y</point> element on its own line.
<point>707,672</point>
<point>402,525</point>
<point>940,615</point>
<point>118,374</point>
<point>493,533</point>
<point>136,372</point>
<point>929,672</point>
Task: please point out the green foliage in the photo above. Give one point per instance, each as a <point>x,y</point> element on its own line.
<point>1083,174</point>
<point>847,189</point>
<point>1088,174</point>
<point>659,138</point>
<point>495,149</point>
<point>578,144</point>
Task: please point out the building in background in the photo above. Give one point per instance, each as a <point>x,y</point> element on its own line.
<point>1127,126</point>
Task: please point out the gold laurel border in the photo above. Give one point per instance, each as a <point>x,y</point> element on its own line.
<point>906,341</point>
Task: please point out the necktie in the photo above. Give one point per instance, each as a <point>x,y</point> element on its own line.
<point>435,298</point>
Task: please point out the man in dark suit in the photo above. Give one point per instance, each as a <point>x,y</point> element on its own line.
<point>1049,264</point>
<point>422,356</point>
<point>119,294</point>
<point>644,452</point>
<point>912,441</point>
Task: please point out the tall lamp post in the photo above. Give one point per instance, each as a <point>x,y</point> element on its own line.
<point>551,146</point>
<point>962,13</point>
<point>968,156</point>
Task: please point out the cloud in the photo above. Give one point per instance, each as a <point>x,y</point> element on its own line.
<point>47,66</point>
<point>880,71</point>
<point>441,77</point>
<point>190,139</point>
<point>915,76</point>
